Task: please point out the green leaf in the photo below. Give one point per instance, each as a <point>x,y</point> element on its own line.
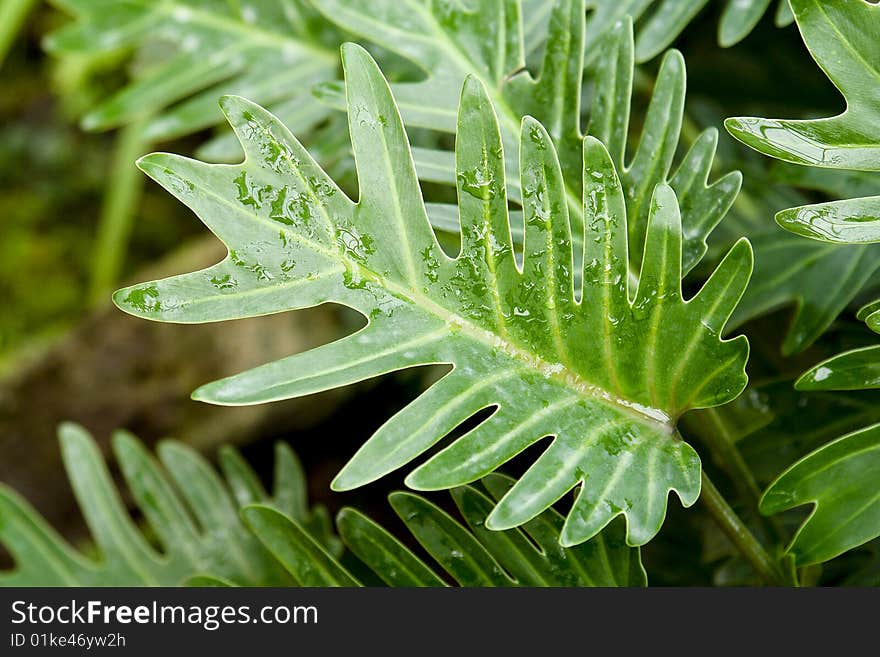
<point>193,51</point>
<point>588,367</point>
<point>303,557</point>
<point>471,557</point>
<point>858,369</point>
<point>451,545</point>
<point>841,36</point>
<point>533,555</point>
<point>739,18</point>
<point>661,22</point>
<point>191,514</point>
<point>450,42</point>
<point>850,221</point>
<point>840,479</point>
<point>390,559</point>
<point>820,279</point>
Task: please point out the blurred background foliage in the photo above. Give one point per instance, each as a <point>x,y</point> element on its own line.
<point>78,218</point>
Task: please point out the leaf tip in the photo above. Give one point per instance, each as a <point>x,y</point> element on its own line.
<point>72,432</point>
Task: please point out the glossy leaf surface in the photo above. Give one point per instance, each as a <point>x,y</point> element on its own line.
<point>470,555</point>
<point>841,479</point>
<point>661,22</point>
<point>482,40</point>
<point>606,374</point>
<point>843,38</point>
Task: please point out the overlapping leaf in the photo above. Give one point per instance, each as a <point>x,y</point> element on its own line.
<point>605,370</point>
<point>193,51</point>
<point>192,513</point>
<point>472,556</point>
<point>819,279</point>
<point>844,39</point>
<point>449,41</point>
<point>841,480</point>
<point>660,22</point>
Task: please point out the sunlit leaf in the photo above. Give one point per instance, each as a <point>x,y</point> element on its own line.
<point>606,375</point>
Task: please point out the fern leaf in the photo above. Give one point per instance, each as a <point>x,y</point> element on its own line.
<point>188,508</point>
<point>607,374</point>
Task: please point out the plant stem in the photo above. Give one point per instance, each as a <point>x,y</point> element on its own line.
<point>727,456</point>
<point>121,199</point>
<point>740,535</point>
<point>720,442</point>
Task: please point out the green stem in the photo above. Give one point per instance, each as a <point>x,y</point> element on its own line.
<point>740,535</point>
<point>121,199</point>
<point>719,441</point>
<point>727,456</point>
<point>12,16</point>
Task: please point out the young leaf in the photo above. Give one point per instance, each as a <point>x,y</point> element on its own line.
<point>842,37</point>
<point>605,370</point>
<point>192,515</point>
<point>841,480</point>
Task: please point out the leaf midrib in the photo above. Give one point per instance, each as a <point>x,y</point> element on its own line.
<point>490,340</point>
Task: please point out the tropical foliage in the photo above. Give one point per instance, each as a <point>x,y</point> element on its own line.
<point>569,266</point>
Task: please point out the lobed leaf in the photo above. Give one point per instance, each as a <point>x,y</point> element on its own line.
<point>482,40</point>
<point>661,22</point>
<point>840,479</point>
<point>269,51</point>
<point>471,556</point>
<point>843,37</point>
<point>820,279</point>
<point>186,505</point>
<point>603,369</point>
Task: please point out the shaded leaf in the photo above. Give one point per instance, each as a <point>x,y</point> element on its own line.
<point>269,51</point>
<point>451,41</point>
<point>386,556</point>
<point>191,513</point>
<point>303,557</point>
<point>840,479</point>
